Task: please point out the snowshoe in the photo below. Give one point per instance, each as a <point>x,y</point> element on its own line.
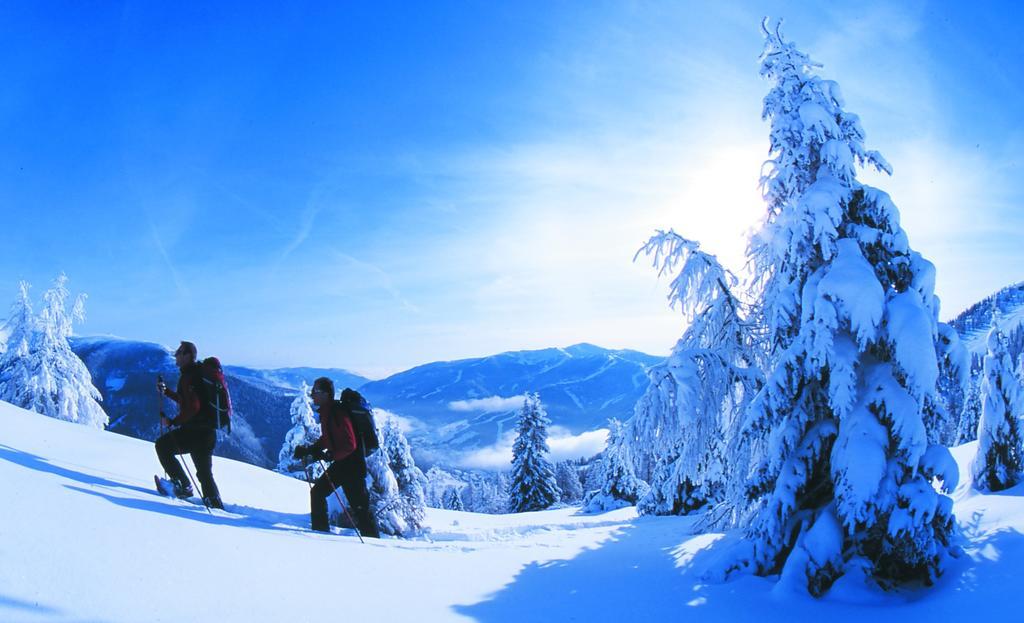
<point>164,486</point>
<point>172,489</point>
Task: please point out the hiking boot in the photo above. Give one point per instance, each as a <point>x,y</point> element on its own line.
<point>182,490</point>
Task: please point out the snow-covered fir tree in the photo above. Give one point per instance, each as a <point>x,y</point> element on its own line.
<point>38,369</point>
<point>533,485</point>
<point>842,469</point>
<point>500,493</point>
<point>999,463</point>
<point>621,487</point>
<point>411,480</point>
<point>692,405</point>
<point>482,493</point>
<point>438,481</point>
<point>593,475</point>
<point>385,498</point>
<point>19,331</point>
<point>970,412</point>
<point>953,385</point>
<point>305,430</point>
<point>453,499</point>
<point>568,478</point>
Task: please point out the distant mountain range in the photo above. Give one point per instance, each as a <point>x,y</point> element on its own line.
<point>466,404</point>
<point>452,407</point>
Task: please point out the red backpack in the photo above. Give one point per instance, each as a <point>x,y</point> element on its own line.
<point>220,399</point>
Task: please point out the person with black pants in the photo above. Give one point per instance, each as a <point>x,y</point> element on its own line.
<point>348,469</point>
<point>195,429</point>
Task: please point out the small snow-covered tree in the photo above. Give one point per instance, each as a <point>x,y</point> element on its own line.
<point>569,484</point>
<point>453,499</point>
<point>19,329</point>
<point>305,431</point>
<point>38,369</point>
<point>954,378</point>
<point>500,493</point>
<point>533,484</point>
<point>385,498</point>
<point>621,487</point>
<point>999,463</point>
<point>485,492</point>
<point>841,464</point>
<point>438,481</point>
<point>411,480</point>
<point>593,476</point>
<point>970,412</point>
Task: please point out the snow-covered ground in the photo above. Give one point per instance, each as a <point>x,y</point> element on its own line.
<point>84,538</point>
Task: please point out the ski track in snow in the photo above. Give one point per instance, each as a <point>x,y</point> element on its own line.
<point>85,538</point>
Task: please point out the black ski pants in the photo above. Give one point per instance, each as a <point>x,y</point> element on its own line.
<point>351,477</point>
<point>199,442</point>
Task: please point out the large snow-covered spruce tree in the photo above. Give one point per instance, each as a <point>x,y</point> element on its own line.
<point>533,486</point>
<point>841,464</point>
<point>38,369</point>
<point>305,430</point>
<point>999,463</point>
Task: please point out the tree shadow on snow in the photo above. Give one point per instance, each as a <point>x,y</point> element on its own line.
<point>651,568</point>
<point>38,463</point>
<point>985,580</point>
<point>654,570</point>
<point>237,516</point>
<point>12,609</point>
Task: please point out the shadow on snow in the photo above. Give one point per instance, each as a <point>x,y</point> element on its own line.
<point>12,609</point>
<point>653,568</point>
<point>154,502</point>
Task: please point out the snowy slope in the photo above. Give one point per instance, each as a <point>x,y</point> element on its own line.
<point>82,538</point>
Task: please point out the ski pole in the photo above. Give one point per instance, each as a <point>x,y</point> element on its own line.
<point>160,408</point>
<point>338,497</point>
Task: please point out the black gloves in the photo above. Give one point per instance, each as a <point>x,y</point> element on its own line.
<point>312,452</point>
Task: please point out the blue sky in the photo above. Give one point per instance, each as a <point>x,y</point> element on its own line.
<point>379,185</point>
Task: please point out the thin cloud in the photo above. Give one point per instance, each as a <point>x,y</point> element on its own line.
<point>381,279</point>
<point>305,229</point>
<point>563,444</point>
<point>179,283</point>
<point>489,404</point>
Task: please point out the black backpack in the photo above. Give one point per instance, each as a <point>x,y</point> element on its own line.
<point>361,413</point>
<point>217,392</point>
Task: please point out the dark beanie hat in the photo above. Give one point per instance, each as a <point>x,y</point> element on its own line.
<point>324,384</point>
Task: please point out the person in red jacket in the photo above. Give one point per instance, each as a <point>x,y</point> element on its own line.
<point>348,468</point>
<point>194,429</point>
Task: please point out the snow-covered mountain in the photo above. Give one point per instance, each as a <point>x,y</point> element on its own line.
<point>973,323</point>
<point>470,403</point>
<point>291,379</point>
<point>86,539</point>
